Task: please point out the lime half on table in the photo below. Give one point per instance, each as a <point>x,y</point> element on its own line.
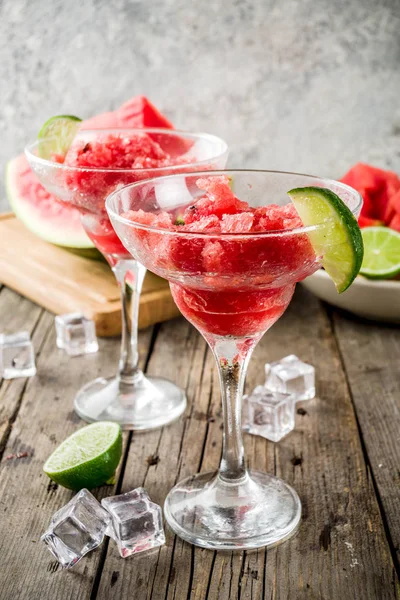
<point>58,132</point>
<point>338,241</point>
<point>88,458</point>
<point>381,253</point>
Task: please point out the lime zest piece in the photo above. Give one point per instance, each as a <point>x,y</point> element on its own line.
<point>381,253</point>
<point>336,238</point>
<point>57,135</point>
<point>87,458</point>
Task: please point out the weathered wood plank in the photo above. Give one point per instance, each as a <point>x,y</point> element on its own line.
<point>341,550</point>
<point>341,529</point>
<point>371,359</point>
<point>156,457</point>
<point>16,314</point>
<point>28,499</point>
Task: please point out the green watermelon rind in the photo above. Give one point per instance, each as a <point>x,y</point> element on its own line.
<point>46,230</point>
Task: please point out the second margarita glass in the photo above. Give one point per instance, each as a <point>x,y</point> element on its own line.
<point>133,400</point>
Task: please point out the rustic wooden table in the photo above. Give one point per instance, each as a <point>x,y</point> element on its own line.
<point>343,458</point>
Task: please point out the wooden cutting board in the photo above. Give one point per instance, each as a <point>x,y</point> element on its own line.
<point>63,282</point>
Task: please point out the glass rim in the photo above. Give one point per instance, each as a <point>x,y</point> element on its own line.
<point>29,150</point>
<point>228,234</point>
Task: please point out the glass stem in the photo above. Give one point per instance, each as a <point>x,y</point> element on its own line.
<point>129,274</point>
<point>232,356</point>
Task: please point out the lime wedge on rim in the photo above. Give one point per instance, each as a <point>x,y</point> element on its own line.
<point>381,253</point>
<point>338,239</point>
<point>58,132</point>
<point>88,458</point>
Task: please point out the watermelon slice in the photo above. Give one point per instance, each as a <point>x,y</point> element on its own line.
<point>137,112</point>
<point>380,190</point>
<point>41,212</point>
<point>395,222</point>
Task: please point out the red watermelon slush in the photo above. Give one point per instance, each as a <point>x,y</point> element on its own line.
<point>226,277</point>
<point>108,160</point>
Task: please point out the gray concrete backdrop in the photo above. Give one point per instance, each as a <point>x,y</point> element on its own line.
<point>308,85</point>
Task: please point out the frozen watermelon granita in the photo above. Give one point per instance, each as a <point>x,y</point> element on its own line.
<point>120,151</point>
<point>208,261</point>
<point>103,161</point>
<point>233,247</point>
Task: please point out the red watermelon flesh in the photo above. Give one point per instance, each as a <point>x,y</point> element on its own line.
<point>137,112</point>
<point>41,212</point>
<point>393,214</point>
<point>227,286</point>
<point>119,158</point>
<point>395,222</point>
<point>367,222</point>
<point>380,190</point>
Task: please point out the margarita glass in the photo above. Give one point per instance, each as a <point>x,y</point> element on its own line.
<point>135,401</point>
<point>232,286</point>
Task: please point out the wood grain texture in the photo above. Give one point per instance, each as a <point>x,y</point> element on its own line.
<point>154,460</point>
<point>16,314</point>
<point>63,282</point>
<point>27,497</point>
<point>341,550</point>
<point>371,359</point>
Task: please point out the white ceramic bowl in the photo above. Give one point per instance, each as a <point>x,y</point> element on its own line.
<point>371,299</point>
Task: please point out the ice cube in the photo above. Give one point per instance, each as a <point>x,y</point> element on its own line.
<point>270,413</point>
<point>136,522</point>
<point>76,529</point>
<point>17,357</point>
<point>76,334</point>
<point>292,376</point>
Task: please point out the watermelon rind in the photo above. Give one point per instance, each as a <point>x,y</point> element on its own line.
<point>67,232</point>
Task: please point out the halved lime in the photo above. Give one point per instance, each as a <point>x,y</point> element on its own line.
<point>338,241</point>
<point>381,253</point>
<point>58,132</point>
<point>87,458</point>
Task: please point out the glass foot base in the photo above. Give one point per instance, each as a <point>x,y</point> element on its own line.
<point>150,403</point>
<point>261,510</point>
